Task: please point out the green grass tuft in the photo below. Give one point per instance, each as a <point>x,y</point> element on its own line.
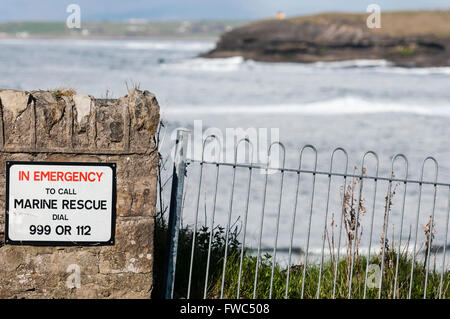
<point>280,272</point>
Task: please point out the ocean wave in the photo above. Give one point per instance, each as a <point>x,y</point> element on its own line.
<point>416,71</point>
<point>238,63</point>
<point>346,105</point>
<point>210,65</point>
<point>168,45</point>
<point>382,66</point>
<point>152,45</point>
<point>359,63</point>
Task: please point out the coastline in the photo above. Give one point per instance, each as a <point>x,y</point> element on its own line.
<point>339,37</point>
<point>108,37</point>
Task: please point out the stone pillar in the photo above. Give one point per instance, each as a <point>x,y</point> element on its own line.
<point>63,126</point>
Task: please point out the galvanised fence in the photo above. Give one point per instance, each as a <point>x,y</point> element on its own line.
<point>257,231</point>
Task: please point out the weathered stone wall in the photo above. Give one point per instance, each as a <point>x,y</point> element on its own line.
<point>64,126</point>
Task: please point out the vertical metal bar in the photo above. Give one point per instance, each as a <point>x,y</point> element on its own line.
<point>385,234</point>
<point>278,217</point>
<point>227,231</point>
<point>194,234</point>
<point>401,219</point>
<point>445,246</point>
<point>340,226</point>
<point>370,241</point>
<point>355,239</point>
<point>415,241</point>
<point>294,213</point>
<point>258,257</point>
<point>325,223</point>
<point>386,228</point>
<point>324,233</point>
<point>205,292</point>
<point>431,226</point>
<point>176,198</point>
<point>370,235</point>
<point>245,219</point>
<point>310,217</point>
<point>416,231</point>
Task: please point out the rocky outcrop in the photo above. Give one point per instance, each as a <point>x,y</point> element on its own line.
<point>62,126</point>
<point>340,39</point>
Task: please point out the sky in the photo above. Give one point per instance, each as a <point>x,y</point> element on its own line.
<point>102,10</point>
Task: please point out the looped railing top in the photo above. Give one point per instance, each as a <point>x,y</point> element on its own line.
<point>269,153</point>
<point>346,174</point>
<point>436,168</point>
<point>375,155</point>
<point>219,151</point>
<point>250,144</point>
<point>311,147</point>
<point>332,159</point>
<point>405,159</point>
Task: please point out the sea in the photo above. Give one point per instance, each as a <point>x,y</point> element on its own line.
<point>358,105</point>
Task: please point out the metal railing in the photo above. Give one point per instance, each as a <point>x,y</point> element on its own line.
<point>395,270</point>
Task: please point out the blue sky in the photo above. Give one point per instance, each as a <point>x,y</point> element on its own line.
<point>41,10</point>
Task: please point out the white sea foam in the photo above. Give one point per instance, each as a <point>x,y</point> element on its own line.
<point>359,63</point>
<point>346,105</point>
<point>238,63</point>
<point>416,71</point>
<point>382,66</point>
<point>154,45</point>
<point>169,45</point>
<point>211,65</point>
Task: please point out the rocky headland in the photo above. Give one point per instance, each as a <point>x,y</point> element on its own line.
<point>408,39</point>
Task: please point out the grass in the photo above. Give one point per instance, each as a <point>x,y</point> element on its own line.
<point>60,93</point>
<point>406,51</point>
<point>364,281</point>
<point>398,23</point>
<point>183,258</point>
<point>327,280</point>
<point>280,272</point>
<point>34,28</point>
<point>156,29</point>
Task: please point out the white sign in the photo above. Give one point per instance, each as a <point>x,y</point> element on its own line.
<point>60,203</point>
